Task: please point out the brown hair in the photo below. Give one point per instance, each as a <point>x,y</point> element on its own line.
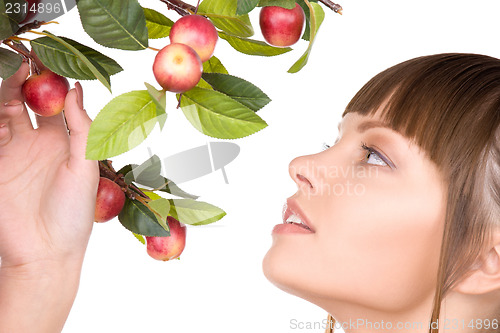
<point>449,105</point>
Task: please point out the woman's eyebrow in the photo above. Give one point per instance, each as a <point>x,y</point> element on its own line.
<point>366,125</point>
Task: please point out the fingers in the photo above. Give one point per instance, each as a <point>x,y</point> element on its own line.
<point>10,90</point>
<point>78,125</point>
<point>56,122</point>
<point>5,134</point>
<point>9,112</point>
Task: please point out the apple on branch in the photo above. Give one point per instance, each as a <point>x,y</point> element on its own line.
<point>45,93</point>
<point>177,68</point>
<point>168,247</point>
<point>109,201</point>
<point>282,27</point>
<point>195,31</point>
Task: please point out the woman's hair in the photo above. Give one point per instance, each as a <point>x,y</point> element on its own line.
<point>449,105</point>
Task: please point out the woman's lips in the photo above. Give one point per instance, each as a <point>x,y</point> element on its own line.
<point>290,228</point>
<point>294,220</point>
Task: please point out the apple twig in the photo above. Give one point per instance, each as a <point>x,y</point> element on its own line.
<point>333,6</point>
<point>180,7</point>
<point>18,47</point>
<point>106,170</point>
<point>30,26</point>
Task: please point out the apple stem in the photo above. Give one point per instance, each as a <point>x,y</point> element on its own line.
<point>106,170</point>
<point>197,6</point>
<point>20,39</point>
<point>333,6</point>
<point>154,49</point>
<point>19,47</point>
<point>50,22</point>
<point>180,7</point>
<point>179,104</point>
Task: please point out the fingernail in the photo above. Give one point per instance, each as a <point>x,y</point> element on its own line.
<point>79,94</point>
<point>14,102</point>
<point>2,125</point>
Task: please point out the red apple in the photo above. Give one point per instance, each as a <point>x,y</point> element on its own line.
<point>45,93</point>
<point>109,201</point>
<point>197,32</point>
<point>169,247</point>
<point>177,68</point>
<point>282,27</point>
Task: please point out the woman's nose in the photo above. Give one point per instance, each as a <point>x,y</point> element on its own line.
<point>301,170</point>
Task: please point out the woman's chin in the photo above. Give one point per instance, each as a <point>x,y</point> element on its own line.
<point>283,273</point>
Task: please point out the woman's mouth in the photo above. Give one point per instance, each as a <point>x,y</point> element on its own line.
<point>294,220</point>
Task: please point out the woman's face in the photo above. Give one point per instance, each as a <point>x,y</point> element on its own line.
<point>377,216</point>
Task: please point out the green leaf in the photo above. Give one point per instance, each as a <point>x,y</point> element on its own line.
<point>121,125</point>
<point>172,188</point>
<point>140,220</point>
<point>317,16</point>
<point>217,115</point>
<point>117,24</point>
<point>194,212</point>
<point>61,60</point>
<point>246,6</point>
<point>253,47</point>
<point>95,68</point>
<point>148,174</point>
<point>9,63</point>
<point>8,25</point>
<point>160,99</point>
<point>238,89</point>
<point>288,4</point>
<point>213,65</point>
<point>126,169</point>
<point>158,24</point>
<point>307,31</point>
<point>223,15</point>
<point>151,195</point>
<point>161,208</point>
<point>140,238</point>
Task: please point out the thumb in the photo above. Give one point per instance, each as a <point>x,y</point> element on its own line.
<point>78,125</point>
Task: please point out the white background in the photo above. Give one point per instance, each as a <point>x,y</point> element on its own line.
<point>218,285</point>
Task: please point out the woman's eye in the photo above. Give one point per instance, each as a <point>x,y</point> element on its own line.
<point>373,157</point>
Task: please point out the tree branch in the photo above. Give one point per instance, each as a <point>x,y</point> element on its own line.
<point>106,170</point>
<point>180,7</point>
<point>30,26</point>
<point>333,6</point>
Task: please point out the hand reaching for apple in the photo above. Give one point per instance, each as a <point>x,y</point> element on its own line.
<point>47,209</point>
<point>49,188</point>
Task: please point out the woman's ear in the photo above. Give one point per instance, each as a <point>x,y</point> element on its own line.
<point>484,276</point>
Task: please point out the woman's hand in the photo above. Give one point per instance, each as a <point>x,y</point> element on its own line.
<point>48,193</point>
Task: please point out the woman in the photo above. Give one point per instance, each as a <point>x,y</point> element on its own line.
<point>402,223</point>
<point>417,247</point>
